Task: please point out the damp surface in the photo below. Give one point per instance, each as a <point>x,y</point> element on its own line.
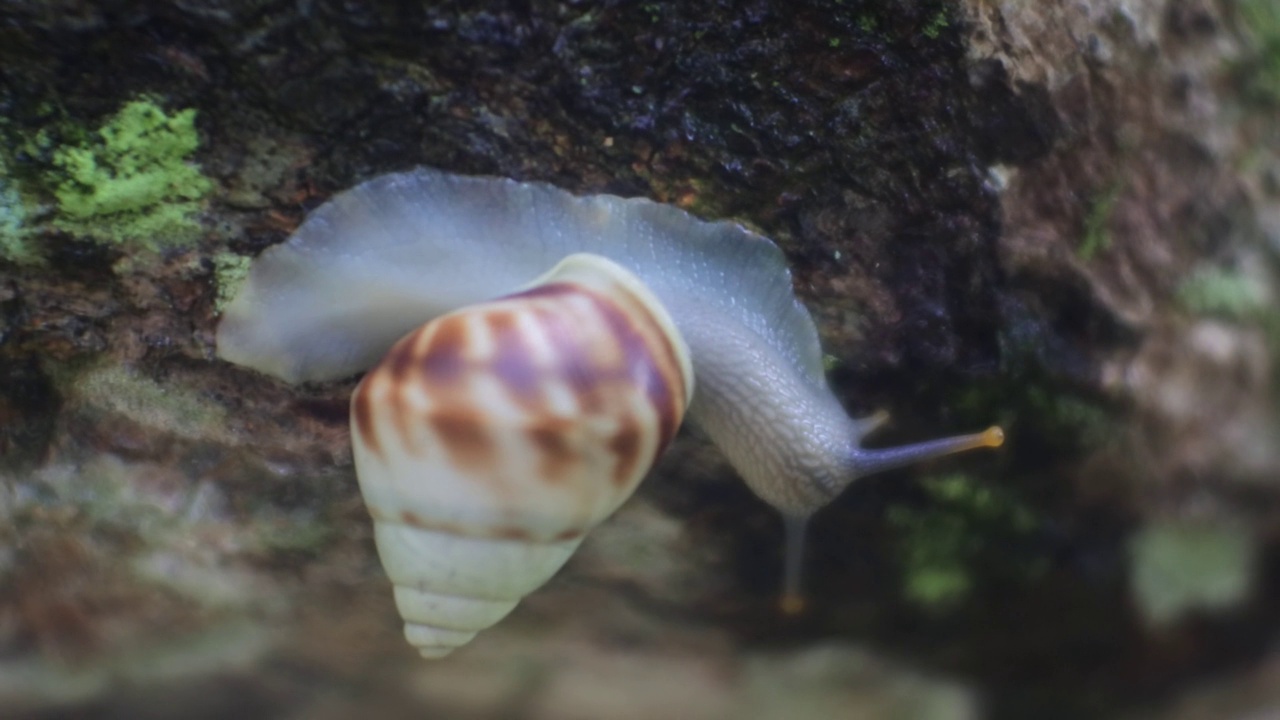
<point>1058,217</point>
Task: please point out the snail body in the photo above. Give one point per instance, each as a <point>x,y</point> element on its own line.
<point>718,314</point>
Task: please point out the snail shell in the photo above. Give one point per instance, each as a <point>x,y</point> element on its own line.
<point>491,439</point>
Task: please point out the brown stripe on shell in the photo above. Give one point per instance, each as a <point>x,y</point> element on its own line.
<point>570,534</point>
<point>397,370</point>
<point>443,361</point>
<point>498,532</point>
<point>668,396</point>
<point>653,358</point>
<point>400,360</point>
<point>573,362</point>
<point>513,360</point>
<point>362,415</point>
<point>625,447</point>
<point>412,519</point>
<point>660,378</point>
<point>557,455</point>
<point>403,415</point>
<point>512,532</point>
<point>416,521</point>
<point>636,338</point>
<point>463,434</point>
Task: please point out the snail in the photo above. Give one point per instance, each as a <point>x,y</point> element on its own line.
<point>532,353</point>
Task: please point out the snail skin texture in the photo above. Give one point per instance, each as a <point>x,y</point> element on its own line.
<point>533,352</point>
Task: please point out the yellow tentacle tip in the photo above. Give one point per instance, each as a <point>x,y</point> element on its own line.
<point>992,437</point>
<point>791,604</point>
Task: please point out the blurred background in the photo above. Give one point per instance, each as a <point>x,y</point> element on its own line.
<point>1061,217</point>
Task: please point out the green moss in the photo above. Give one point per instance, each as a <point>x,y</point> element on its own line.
<point>1261,71</point>
<point>1180,567</point>
<point>1096,235</point>
<point>936,24</point>
<point>130,184</point>
<point>1069,417</point>
<point>36,145</point>
<point>1058,418</point>
<point>1211,290</point>
<point>941,542</point>
<point>229,273</point>
<point>15,234</point>
<point>932,583</point>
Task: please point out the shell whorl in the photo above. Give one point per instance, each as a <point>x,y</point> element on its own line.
<point>488,441</point>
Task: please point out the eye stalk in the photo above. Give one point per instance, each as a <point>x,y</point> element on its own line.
<point>866,461</point>
<point>862,462</point>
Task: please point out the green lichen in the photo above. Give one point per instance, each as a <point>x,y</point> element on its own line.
<point>941,542</point>
<point>229,273</point>
<point>1181,567</point>
<point>142,548</point>
<point>1233,296</point>
<point>296,533</point>
<point>170,409</point>
<point>129,184</point>
<point>102,491</point>
<point>1228,294</point>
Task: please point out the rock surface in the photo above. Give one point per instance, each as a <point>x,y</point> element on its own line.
<point>1064,216</point>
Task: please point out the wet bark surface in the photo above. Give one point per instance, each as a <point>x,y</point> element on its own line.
<point>995,212</point>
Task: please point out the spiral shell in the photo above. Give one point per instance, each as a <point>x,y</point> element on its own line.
<point>490,440</point>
